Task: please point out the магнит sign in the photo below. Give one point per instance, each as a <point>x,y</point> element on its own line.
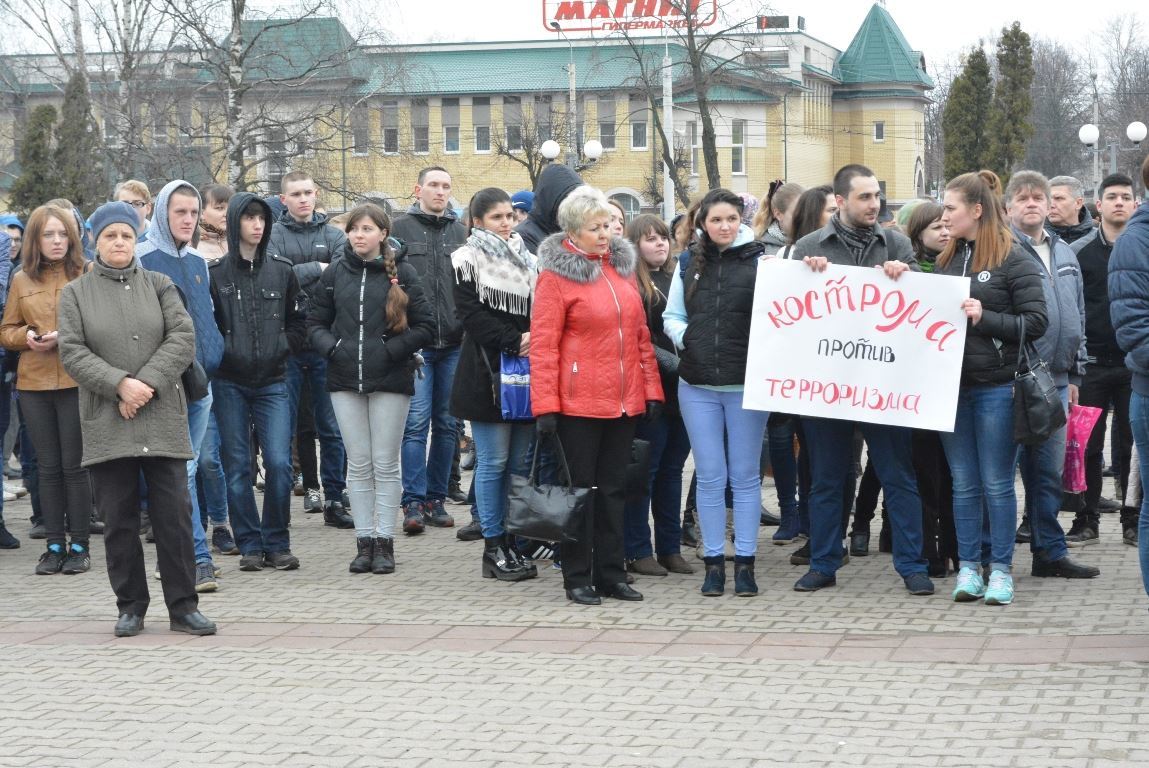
<point>850,343</point>
<point>627,15</point>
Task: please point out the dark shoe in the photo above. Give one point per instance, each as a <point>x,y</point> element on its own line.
<point>383,561</point>
<point>860,544</point>
<point>336,516</point>
<point>714,582</point>
<point>96,527</point>
<point>621,591</point>
<point>7,540</point>
<point>413,518</point>
<point>1082,533</point>
<point>281,561</point>
<point>345,498</point>
<point>675,563</point>
<point>919,584</point>
<point>252,562</point>
<point>222,540</point>
<point>937,569</point>
<point>129,625</point>
<point>744,583</point>
<point>1108,505</point>
<point>1129,536</point>
<point>456,494</point>
<point>801,556</point>
<point>297,487</point>
<point>1024,532</point>
<point>584,596</point>
<point>788,531</point>
<point>38,532</point>
<point>51,561</point>
<point>194,623</point>
<point>499,562</point>
<point>689,529</point>
<point>78,560</point>
<point>364,548</point>
<point>1065,568</point>
<point>885,545</point>
<point>526,562</point>
<point>813,581</point>
<point>205,578</point>
<point>1109,471</point>
<point>312,500</point>
<point>768,518</point>
<point>472,531</point>
<point>435,514</point>
<point>646,566</point>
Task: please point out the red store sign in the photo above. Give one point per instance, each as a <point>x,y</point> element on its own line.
<point>627,15</point>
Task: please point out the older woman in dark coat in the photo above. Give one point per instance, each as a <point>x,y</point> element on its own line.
<point>126,339</point>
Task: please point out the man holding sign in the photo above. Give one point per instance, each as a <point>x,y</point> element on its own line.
<point>854,239</point>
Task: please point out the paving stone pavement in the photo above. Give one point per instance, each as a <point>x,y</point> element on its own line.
<point>435,666</point>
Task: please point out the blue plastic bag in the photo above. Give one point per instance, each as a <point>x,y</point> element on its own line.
<point>515,387</point>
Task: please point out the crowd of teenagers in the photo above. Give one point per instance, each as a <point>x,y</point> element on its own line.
<point>173,354</point>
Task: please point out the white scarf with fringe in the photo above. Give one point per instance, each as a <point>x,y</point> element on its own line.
<point>503,271</point>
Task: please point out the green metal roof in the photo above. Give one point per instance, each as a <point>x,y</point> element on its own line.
<point>879,53</point>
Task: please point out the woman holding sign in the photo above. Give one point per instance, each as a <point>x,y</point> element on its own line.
<point>708,317</point>
<point>1005,285</point>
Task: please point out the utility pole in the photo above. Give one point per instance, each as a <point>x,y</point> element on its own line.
<point>1096,156</point>
<point>572,100</point>
<point>668,131</point>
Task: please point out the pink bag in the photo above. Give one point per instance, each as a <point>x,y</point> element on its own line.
<point>1082,419</point>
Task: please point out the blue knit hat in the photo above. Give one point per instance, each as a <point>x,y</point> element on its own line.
<point>113,213</point>
<point>9,220</point>
<point>523,200</point>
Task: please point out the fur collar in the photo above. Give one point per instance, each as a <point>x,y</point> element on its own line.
<point>572,266</point>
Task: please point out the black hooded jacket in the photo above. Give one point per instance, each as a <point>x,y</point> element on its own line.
<point>429,242</point>
<point>555,183</point>
<point>256,305</point>
<point>1074,232</point>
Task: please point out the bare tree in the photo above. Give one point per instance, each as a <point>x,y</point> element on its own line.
<point>1123,94</point>
<point>520,140</point>
<point>1062,99</point>
<point>934,151</point>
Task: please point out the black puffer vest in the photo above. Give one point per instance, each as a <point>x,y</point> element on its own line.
<point>718,314</point>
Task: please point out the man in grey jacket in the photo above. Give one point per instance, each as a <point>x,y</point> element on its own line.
<point>853,238</point>
<point>1062,347</point>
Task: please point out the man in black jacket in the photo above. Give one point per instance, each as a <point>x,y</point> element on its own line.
<point>255,293</point>
<point>1108,383</point>
<point>1068,216</point>
<point>431,232</point>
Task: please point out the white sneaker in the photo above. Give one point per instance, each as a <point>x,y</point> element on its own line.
<point>16,488</point>
<point>9,497</point>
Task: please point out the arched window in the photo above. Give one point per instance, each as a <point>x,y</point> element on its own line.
<point>629,203</point>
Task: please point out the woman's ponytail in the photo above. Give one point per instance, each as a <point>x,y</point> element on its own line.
<point>396,309</point>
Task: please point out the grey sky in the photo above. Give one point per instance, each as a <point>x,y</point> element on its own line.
<point>939,29</point>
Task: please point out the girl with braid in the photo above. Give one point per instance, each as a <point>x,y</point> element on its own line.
<point>369,318</point>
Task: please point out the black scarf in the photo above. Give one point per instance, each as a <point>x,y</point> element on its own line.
<point>857,240</point>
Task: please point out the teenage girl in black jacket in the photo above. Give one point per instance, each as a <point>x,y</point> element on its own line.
<point>369,318</point>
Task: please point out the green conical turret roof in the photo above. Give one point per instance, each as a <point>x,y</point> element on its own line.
<point>879,53</point>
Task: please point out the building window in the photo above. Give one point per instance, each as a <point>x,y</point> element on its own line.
<point>638,117</point>
<point>420,126</point>
<point>738,146</point>
<point>451,125</point>
<point>276,154</point>
<point>695,146</point>
<point>879,130</point>
<point>629,203</point>
<point>513,123</point>
<point>481,121</point>
<point>360,132</point>
<point>389,119</point>
<point>160,129</point>
<point>514,138</point>
<point>606,118</point>
<point>544,118</point>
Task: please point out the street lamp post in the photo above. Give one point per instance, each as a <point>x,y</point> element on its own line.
<point>592,151</point>
<point>1090,134</point>
<point>572,105</point>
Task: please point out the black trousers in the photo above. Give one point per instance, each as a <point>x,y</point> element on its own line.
<point>116,488</point>
<point>936,487</point>
<point>1106,387</point>
<point>597,452</point>
<point>53,420</point>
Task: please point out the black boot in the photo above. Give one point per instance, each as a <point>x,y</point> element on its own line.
<point>744,584</point>
<point>383,560</point>
<point>714,583</point>
<point>362,562</point>
<point>527,564</point>
<point>499,563</point>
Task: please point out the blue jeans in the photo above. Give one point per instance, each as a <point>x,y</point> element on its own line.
<point>669,447</point>
<point>332,457</point>
<point>831,446</point>
<point>199,413</point>
<point>1139,420</point>
<point>236,408</point>
<point>982,456</point>
<point>1041,469</point>
<point>710,415</point>
<point>426,476</point>
<point>502,449</point>
<point>790,481</point>
<point>212,480</point>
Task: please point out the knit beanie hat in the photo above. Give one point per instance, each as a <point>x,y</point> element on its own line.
<point>113,213</point>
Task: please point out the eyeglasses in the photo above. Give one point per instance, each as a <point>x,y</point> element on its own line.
<point>136,203</point>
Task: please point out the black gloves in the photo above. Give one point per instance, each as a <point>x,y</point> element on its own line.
<point>547,424</point>
<point>653,410</point>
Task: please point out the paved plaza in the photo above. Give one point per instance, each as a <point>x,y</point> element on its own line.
<point>435,666</point>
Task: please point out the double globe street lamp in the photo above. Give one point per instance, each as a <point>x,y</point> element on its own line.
<point>592,151</point>
<point>1090,134</point>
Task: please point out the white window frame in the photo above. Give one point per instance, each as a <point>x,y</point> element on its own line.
<point>879,127</point>
<point>738,149</point>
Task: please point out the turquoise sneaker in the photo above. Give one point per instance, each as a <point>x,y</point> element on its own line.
<point>969,586</point>
<point>1000,590</point>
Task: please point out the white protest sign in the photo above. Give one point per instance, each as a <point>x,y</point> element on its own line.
<point>850,343</point>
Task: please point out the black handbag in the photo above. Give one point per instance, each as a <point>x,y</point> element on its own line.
<point>1037,409</point>
<point>638,471</point>
<point>546,512</point>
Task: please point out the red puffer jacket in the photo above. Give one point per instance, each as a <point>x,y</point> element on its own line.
<point>591,354</point>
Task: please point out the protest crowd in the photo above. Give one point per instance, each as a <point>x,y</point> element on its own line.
<point>174,354</point>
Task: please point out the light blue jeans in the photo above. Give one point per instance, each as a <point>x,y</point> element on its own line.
<point>502,449</point>
<point>198,414</point>
<point>709,416</point>
<point>1139,420</point>
<point>372,428</point>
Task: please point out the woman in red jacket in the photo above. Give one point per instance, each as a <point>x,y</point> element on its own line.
<point>592,373</point>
